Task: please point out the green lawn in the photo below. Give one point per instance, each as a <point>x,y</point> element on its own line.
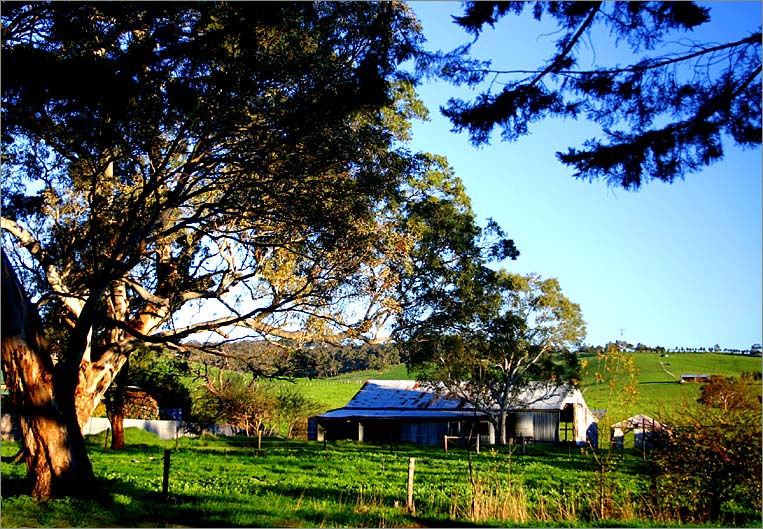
<point>219,482</point>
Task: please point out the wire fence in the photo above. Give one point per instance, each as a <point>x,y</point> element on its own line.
<point>356,381</point>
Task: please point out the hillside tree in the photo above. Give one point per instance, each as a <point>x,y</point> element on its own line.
<point>665,114</point>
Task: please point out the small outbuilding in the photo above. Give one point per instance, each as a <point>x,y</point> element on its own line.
<point>645,431</point>
<point>694,378</point>
<point>409,411</point>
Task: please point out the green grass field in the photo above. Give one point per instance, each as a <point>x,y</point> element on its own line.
<point>226,482</point>
<point>659,392</point>
<point>336,392</point>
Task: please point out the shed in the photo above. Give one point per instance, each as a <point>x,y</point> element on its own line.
<point>694,378</point>
<point>644,430</point>
<point>409,411</point>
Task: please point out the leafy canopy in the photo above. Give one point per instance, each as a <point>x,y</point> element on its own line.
<point>242,158</point>
<point>663,116</point>
<point>514,333</point>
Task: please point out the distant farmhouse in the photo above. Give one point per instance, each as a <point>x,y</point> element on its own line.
<point>408,411</point>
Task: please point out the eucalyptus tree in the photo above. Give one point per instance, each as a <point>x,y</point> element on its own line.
<point>665,113</point>
<point>175,169</point>
<point>509,350</point>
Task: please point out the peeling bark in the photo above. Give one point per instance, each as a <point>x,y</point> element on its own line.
<point>55,453</point>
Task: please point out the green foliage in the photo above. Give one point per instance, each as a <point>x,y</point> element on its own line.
<point>232,399</point>
<point>161,375</point>
<point>508,332</point>
<point>317,360</point>
<point>292,408</point>
<point>729,393</point>
<point>670,121</point>
<point>710,467</point>
<point>229,165</point>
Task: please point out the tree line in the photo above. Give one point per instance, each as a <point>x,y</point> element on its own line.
<point>288,358</point>
<point>642,348</point>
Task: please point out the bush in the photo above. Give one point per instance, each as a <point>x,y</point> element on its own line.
<point>292,410</point>
<point>710,468</point>
<point>246,406</point>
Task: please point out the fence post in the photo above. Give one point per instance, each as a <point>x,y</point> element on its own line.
<point>445,441</point>
<point>166,478</point>
<point>411,471</point>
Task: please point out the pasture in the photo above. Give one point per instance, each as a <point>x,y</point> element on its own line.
<point>218,482</point>
<point>658,392</point>
<point>228,482</point>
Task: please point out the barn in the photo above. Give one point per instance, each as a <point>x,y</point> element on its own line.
<point>408,411</point>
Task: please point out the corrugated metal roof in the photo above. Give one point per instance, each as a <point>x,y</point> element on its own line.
<point>639,421</point>
<point>349,413</point>
<point>401,395</point>
<point>409,398</point>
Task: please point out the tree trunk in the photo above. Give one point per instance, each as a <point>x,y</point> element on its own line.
<point>115,406</point>
<point>95,378</point>
<point>56,458</point>
<point>98,372</point>
<point>117,420</point>
<point>501,427</point>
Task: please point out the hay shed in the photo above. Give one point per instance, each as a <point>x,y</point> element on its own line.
<point>409,411</point>
<point>645,430</point>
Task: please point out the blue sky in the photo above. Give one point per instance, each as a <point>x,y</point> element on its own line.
<point>676,265</point>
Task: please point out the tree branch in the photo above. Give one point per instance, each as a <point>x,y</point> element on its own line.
<point>52,274</point>
<point>571,44</point>
<point>639,67</point>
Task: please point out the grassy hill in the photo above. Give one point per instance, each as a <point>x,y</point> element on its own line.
<point>658,388</point>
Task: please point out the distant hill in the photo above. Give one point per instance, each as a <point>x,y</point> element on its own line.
<point>658,391</point>
<point>659,387</point>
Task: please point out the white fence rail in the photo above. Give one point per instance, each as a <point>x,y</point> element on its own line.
<point>165,430</point>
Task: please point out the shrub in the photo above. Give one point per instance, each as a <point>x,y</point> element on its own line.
<point>292,410</point>
<point>710,468</point>
<point>246,406</point>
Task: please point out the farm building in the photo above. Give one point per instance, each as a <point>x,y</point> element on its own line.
<point>408,411</point>
<point>645,431</point>
<point>694,378</point>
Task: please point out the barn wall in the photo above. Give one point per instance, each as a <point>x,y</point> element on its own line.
<point>546,425</point>
<point>586,426</point>
<point>423,433</point>
<point>542,426</point>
